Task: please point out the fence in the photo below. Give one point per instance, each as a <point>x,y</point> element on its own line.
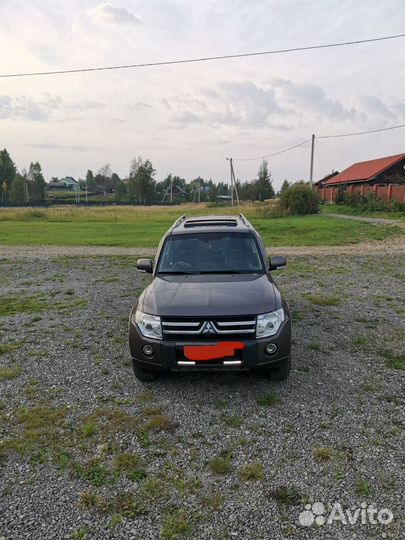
<point>64,202</point>
<point>386,192</point>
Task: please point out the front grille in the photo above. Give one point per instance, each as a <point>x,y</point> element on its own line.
<point>216,328</point>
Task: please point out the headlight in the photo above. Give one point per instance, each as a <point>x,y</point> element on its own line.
<point>269,323</point>
<point>149,325</point>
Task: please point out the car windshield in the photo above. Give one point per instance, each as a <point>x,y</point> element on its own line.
<point>210,253</point>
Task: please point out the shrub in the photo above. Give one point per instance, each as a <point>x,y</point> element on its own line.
<point>267,210</point>
<point>251,471</point>
<point>375,203</point>
<point>354,199</point>
<point>268,400</point>
<point>213,204</point>
<point>35,214</point>
<point>176,525</point>
<point>286,495</point>
<point>323,453</point>
<point>370,203</point>
<point>220,465</point>
<point>340,196</point>
<point>398,206</point>
<point>300,199</point>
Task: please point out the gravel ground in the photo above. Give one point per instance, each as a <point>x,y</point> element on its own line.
<point>89,452</point>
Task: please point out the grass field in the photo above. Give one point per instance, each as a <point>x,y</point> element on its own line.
<point>129,226</point>
<point>351,211</point>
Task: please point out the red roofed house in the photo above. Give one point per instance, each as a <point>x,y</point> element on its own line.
<point>385,177</point>
<point>322,181</point>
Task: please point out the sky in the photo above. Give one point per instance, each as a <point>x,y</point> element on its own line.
<point>188,118</point>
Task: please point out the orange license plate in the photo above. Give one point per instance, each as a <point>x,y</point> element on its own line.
<point>223,349</point>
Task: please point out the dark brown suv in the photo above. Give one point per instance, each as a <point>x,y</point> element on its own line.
<point>212,303</point>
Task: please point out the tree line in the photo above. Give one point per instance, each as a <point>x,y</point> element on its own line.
<point>139,187</point>
<point>20,188</point>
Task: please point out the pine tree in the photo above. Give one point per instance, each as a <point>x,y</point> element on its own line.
<point>7,173</point>
<point>91,184</point>
<point>285,187</point>
<point>36,183</point>
<point>18,190</point>
<point>263,188</point>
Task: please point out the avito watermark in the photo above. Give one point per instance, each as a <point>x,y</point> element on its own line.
<point>317,514</point>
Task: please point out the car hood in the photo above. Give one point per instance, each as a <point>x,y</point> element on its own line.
<point>210,295</point>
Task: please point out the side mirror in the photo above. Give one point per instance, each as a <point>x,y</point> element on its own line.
<point>277,262</point>
<point>145,265</point>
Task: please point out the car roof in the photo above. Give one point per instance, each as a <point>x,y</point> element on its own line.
<point>211,223</point>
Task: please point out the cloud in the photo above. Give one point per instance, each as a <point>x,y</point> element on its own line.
<point>399,108</point>
<point>108,14</point>
<point>280,104</point>
<point>23,107</point>
<point>375,107</point>
<point>166,104</point>
<point>81,105</point>
<point>140,105</point>
<point>232,104</point>
<point>312,98</point>
<point>52,146</point>
<point>188,117</point>
<point>249,105</point>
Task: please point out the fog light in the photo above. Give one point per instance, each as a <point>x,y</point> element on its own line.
<point>148,350</point>
<point>271,348</point>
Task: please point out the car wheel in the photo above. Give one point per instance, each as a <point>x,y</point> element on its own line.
<point>144,375</point>
<point>281,373</point>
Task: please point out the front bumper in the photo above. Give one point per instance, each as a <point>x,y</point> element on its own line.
<point>168,355</point>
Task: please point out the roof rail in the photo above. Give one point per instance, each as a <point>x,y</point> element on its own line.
<point>178,221</point>
<point>245,220</point>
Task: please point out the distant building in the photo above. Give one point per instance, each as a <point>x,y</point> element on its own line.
<point>374,171</point>
<point>384,177</point>
<point>68,183</point>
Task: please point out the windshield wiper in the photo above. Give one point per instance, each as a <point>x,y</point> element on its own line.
<point>196,273</point>
<point>178,273</point>
<point>226,272</point>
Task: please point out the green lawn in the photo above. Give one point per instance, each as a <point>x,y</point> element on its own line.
<point>143,227</point>
<point>350,211</point>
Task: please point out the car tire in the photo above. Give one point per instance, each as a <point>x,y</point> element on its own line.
<point>281,373</point>
<point>144,375</point>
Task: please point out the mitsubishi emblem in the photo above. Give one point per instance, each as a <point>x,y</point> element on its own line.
<point>209,328</point>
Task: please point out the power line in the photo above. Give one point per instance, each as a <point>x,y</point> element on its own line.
<point>319,137</point>
<point>359,132</point>
<point>274,154</point>
<point>204,59</point>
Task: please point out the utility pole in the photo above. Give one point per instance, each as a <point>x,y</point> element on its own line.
<point>171,189</point>
<point>199,189</point>
<point>311,171</point>
<point>26,193</point>
<point>230,163</point>
<point>235,187</point>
